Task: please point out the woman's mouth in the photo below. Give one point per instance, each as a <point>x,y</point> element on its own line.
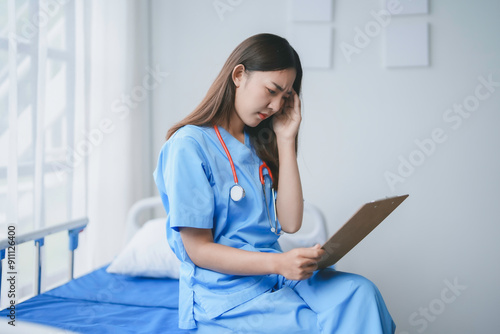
<point>262,116</point>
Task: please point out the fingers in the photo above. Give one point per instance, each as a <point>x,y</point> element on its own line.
<point>296,100</point>
<point>315,252</point>
<point>292,102</point>
<point>304,263</point>
<point>308,269</point>
<point>310,257</point>
<point>310,265</point>
<point>287,120</point>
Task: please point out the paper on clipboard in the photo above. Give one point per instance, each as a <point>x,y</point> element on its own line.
<point>356,228</point>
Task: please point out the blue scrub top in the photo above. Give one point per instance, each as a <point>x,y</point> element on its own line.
<point>194,178</point>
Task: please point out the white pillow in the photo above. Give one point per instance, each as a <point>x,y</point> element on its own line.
<point>147,254</point>
<point>312,232</point>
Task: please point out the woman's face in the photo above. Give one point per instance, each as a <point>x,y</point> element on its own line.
<point>260,94</point>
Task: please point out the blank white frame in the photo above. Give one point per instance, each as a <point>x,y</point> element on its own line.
<point>407,44</point>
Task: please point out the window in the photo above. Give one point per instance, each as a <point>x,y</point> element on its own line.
<point>42,181</point>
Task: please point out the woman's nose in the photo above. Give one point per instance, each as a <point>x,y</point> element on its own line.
<point>276,104</point>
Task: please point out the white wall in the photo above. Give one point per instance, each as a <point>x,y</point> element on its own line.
<point>359,118</point>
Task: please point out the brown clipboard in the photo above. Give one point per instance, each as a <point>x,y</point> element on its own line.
<point>356,228</point>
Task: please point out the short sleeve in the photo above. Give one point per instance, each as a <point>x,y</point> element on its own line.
<point>187,186</point>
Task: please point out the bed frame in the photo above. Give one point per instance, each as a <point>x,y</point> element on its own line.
<point>8,246</point>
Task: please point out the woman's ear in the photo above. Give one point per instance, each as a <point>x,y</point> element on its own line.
<point>238,74</point>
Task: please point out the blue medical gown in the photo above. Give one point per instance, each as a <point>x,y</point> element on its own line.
<point>194,178</point>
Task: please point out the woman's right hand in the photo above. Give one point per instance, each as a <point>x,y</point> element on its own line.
<point>299,263</point>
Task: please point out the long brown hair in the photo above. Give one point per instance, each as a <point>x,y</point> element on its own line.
<point>262,52</point>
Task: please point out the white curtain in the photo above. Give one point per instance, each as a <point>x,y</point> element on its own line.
<point>75,87</point>
<point>120,83</point>
<point>40,122</point>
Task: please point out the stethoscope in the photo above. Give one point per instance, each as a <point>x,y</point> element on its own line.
<point>237,193</point>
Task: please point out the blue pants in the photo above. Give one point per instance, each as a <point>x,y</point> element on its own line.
<point>328,302</point>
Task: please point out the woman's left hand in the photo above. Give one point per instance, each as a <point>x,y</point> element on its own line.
<point>286,122</point>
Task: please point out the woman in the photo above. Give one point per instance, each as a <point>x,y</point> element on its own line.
<point>217,174</point>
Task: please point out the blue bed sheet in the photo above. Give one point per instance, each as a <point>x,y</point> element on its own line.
<point>106,303</point>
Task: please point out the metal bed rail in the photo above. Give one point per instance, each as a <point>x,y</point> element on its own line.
<point>8,246</point>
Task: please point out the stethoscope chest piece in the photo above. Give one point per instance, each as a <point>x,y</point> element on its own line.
<point>237,192</point>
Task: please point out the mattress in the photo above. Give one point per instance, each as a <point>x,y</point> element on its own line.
<point>100,302</point>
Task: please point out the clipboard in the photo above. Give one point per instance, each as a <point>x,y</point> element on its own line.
<point>369,216</point>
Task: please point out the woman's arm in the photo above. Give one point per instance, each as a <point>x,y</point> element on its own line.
<point>290,203</point>
<point>297,264</point>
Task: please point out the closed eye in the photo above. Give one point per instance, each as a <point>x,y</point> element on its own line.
<point>272,92</point>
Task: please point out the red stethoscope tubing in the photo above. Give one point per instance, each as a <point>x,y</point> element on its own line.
<point>227,153</point>
<point>261,168</point>
<point>261,174</point>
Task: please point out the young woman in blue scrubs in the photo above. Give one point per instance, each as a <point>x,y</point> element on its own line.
<point>234,278</point>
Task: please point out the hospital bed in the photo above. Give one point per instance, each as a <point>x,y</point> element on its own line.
<point>136,293</point>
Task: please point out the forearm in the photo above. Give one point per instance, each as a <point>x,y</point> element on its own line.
<point>299,263</point>
<point>224,259</point>
<point>290,203</point>
<point>234,261</point>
